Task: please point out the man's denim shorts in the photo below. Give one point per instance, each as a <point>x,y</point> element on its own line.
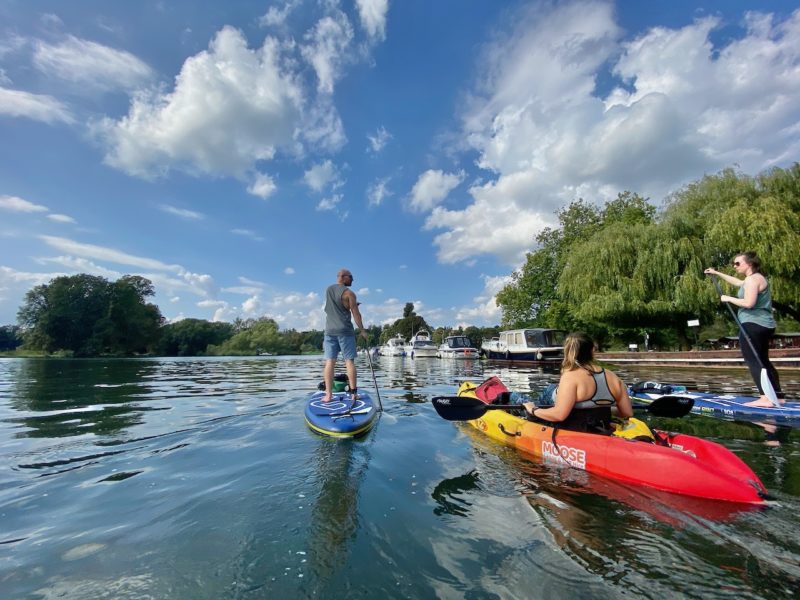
<point>333,344</point>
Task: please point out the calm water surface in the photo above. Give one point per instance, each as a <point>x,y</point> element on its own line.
<point>196,478</point>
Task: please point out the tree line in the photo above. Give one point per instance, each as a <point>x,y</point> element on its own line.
<point>616,271</point>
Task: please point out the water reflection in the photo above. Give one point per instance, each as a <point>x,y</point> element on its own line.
<point>339,467</point>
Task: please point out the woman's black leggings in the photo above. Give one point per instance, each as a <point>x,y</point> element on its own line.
<point>760,336</point>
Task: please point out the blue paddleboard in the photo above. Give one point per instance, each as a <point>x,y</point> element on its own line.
<point>727,406</point>
<point>341,417</point>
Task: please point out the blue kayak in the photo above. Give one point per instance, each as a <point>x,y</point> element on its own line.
<point>726,406</point>
<point>341,417</point>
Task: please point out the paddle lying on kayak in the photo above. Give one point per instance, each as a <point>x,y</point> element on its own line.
<point>464,408</point>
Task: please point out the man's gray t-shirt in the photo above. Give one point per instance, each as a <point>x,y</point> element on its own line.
<point>337,317</point>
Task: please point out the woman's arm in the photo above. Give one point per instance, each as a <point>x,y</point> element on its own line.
<point>751,289</point>
<point>565,401</point>
<point>620,392</point>
<point>727,278</point>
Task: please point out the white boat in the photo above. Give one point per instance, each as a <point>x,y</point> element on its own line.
<point>531,345</point>
<point>421,346</point>
<point>395,346</point>
<point>457,346</point>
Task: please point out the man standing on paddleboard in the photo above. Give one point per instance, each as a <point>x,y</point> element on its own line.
<point>340,304</point>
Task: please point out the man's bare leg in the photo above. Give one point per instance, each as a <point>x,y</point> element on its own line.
<point>330,364</point>
<point>351,375</point>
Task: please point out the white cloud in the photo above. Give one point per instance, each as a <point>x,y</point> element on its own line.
<point>323,175</point>
<point>484,309</point>
<point>91,65</point>
<point>154,270</point>
<point>248,233</point>
<point>106,254</point>
<point>38,107</point>
<point>15,204</point>
<point>276,15</point>
<point>262,186</point>
<point>288,271</point>
<point>378,141</point>
<point>373,17</point>
<point>231,107</point>
<point>431,188</point>
<point>329,203</point>
<point>378,191</point>
<point>58,218</point>
<point>81,265</point>
<point>686,108</point>
<point>326,49</point>
<point>12,277</point>
<point>184,213</point>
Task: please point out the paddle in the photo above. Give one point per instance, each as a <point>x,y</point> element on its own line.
<point>465,408</point>
<point>766,384</point>
<point>375,381</point>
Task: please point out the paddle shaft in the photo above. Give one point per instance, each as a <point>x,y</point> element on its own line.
<point>769,390</point>
<point>374,381</point>
<point>465,408</point>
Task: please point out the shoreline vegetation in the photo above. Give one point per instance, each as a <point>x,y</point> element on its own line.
<point>625,272</point>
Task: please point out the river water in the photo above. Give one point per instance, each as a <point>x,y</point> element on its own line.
<point>197,478</point>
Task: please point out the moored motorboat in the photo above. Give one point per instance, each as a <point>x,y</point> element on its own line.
<point>457,346</point>
<point>395,346</point>
<point>421,346</point>
<point>530,345</point>
<point>679,464</point>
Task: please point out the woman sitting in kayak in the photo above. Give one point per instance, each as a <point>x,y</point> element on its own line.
<point>585,393</point>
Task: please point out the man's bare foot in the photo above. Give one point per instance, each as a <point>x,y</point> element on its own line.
<point>327,398</point>
<point>762,401</point>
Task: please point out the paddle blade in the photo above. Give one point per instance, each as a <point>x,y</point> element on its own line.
<point>769,391</point>
<point>671,406</point>
<point>459,408</point>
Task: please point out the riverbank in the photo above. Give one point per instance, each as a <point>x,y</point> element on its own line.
<point>782,358</point>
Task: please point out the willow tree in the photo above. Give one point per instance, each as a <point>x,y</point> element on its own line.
<point>632,277</point>
<point>532,298</point>
<point>733,213</point>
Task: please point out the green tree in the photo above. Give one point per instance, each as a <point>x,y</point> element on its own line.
<point>192,337</point>
<point>86,315</point>
<point>10,337</point>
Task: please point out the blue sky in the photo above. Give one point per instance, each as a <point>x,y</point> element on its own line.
<point>239,153</point>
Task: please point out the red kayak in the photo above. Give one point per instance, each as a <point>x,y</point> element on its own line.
<point>679,463</point>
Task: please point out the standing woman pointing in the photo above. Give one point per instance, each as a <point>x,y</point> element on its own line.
<point>755,317</point>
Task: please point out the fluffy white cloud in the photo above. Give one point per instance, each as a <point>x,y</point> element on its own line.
<point>373,17</point>
<point>231,107</point>
<point>262,186</point>
<point>326,49</point>
<point>39,107</point>
<point>378,191</point>
<point>329,203</point>
<point>91,65</point>
<point>323,175</point>
<point>431,188</point>
<point>15,204</point>
<point>683,108</point>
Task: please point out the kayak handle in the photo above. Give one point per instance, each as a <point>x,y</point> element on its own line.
<point>503,429</point>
